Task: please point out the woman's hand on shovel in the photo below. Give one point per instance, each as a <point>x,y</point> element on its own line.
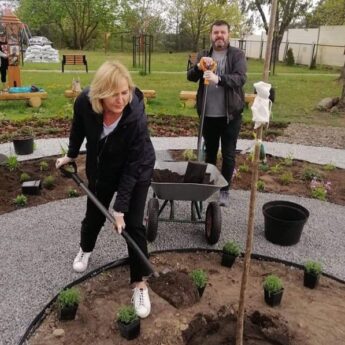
<point>62,161</point>
<point>119,224</point>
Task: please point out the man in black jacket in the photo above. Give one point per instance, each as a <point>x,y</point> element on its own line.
<point>119,158</point>
<point>224,101</point>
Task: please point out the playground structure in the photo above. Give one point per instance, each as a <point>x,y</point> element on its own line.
<point>142,49</point>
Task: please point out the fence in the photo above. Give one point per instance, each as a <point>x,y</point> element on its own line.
<point>326,45</point>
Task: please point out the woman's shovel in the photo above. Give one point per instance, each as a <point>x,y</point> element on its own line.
<point>70,170</point>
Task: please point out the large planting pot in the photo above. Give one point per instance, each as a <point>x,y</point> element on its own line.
<point>284,221</point>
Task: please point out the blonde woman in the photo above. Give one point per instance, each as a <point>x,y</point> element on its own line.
<point>119,158</point>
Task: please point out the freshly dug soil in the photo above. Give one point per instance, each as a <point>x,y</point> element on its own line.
<point>305,316</point>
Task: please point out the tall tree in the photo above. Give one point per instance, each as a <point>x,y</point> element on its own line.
<point>287,12</point>
<point>76,20</point>
<point>197,16</point>
<point>327,12</point>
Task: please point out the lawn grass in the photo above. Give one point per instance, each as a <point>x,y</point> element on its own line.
<point>298,89</point>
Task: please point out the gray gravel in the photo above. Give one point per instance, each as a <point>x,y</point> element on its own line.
<point>38,244</point>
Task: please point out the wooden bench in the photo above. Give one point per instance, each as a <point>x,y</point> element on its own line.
<point>191,60</point>
<point>72,94</point>
<point>34,99</point>
<point>74,59</point>
<point>189,98</point>
<point>148,94</point>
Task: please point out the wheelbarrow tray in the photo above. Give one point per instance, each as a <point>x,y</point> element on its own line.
<point>187,191</point>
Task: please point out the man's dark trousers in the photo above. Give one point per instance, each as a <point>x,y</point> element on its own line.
<point>216,128</point>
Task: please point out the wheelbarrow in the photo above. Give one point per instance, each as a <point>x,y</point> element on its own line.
<point>194,192</point>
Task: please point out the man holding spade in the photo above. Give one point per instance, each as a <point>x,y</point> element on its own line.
<point>221,72</point>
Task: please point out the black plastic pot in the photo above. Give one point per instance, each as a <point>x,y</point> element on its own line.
<point>31,187</point>
<point>201,290</point>
<point>68,313</point>
<point>284,222</point>
<point>129,331</point>
<point>228,259</point>
<point>310,280</point>
<point>23,146</point>
<point>273,299</point>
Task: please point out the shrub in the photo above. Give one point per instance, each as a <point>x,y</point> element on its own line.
<point>260,186</point>
<point>127,314</point>
<point>68,297</point>
<point>49,181</point>
<point>290,60</point>
<point>199,277</point>
<point>319,189</point>
<point>72,193</point>
<point>44,166</point>
<point>243,167</point>
<point>264,167</point>
<point>189,155</point>
<point>286,178</point>
<point>313,267</point>
<point>20,200</point>
<point>232,248</point>
<point>273,284</point>
<point>24,177</point>
<point>12,163</point>
<point>288,161</point>
<point>276,169</point>
<point>309,174</point>
<point>329,167</point>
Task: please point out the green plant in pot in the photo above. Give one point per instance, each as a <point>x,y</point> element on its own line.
<point>231,250</point>
<point>23,141</point>
<point>199,278</point>
<point>68,302</point>
<point>273,290</point>
<point>312,273</point>
<point>128,322</point>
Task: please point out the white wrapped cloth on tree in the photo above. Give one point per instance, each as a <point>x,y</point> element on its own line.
<point>262,105</point>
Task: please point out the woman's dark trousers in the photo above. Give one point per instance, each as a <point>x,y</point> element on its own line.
<point>94,220</point>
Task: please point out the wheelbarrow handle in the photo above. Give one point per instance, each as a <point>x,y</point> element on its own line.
<point>107,214</point>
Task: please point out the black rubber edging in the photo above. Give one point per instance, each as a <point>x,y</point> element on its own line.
<point>121,262</point>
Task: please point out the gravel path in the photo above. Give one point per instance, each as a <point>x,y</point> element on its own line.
<point>38,244</point>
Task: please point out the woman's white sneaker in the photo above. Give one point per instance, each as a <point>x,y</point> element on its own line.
<point>81,261</point>
<point>141,302</point>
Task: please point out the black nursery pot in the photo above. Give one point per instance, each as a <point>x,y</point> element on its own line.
<point>273,299</point>
<point>310,280</point>
<point>228,260</point>
<point>129,331</point>
<point>201,290</point>
<point>284,221</point>
<point>68,313</point>
<point>23,146</point>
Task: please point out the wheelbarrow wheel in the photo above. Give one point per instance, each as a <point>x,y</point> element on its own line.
<point>213,223</point>
<point>152,219</point>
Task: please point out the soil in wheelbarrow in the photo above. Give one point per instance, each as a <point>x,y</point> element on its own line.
<point>305,316</point>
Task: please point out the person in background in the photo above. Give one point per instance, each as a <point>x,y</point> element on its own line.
<point>119,158</point>
<point>225,99</point>
<point>3,67</point>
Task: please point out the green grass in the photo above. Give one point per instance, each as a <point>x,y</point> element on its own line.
<point>298,89</point>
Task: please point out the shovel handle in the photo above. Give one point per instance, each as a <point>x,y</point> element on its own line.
<point>73,174</point>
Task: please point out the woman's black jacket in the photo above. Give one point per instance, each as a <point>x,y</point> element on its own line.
<point>121,160</point>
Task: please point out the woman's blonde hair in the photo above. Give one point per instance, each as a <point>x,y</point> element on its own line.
<point>105,81</point>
